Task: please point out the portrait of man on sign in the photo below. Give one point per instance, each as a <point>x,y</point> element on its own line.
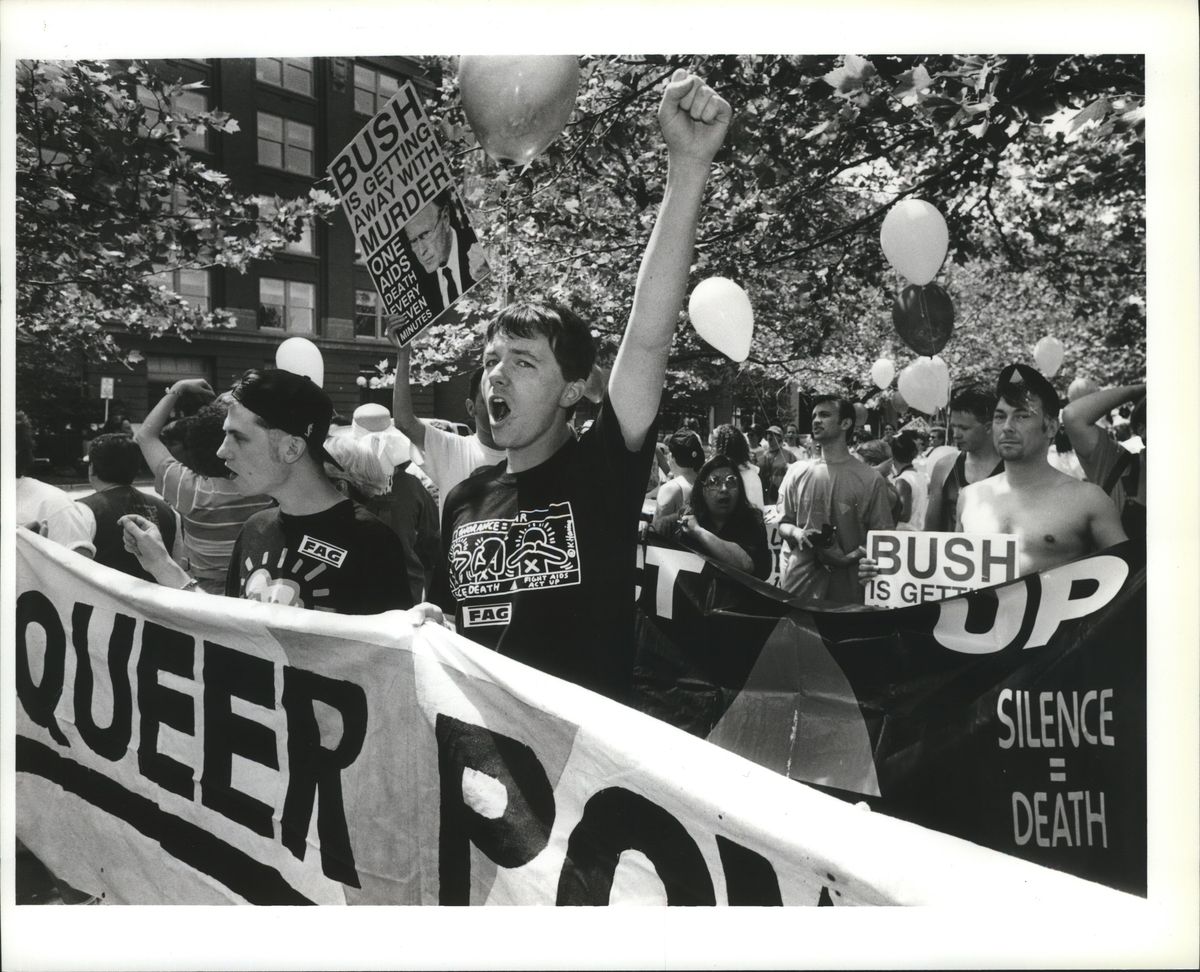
<point>447,256</point>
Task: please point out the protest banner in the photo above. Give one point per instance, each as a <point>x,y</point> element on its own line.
<point>176,747</point>
<point>1013,716</point>
<point>394,171</point>
<point>915,567</point>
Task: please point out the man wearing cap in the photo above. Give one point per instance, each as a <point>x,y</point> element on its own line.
<point>211,508</point>
<point>773,463</point>
<point>316,549</point>
<point>1057,517</point>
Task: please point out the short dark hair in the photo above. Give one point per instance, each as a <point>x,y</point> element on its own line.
<point>686,449</point>
<point>845,410</point>
<point>115,458</point>
<point>976,401</point>
<point>202,437</point>
<point>730,442</point>
<point>569,336</point>
<point>1138,415</point>
<point>904,446</point>
<point>476,381</point>
<point>26,461</point>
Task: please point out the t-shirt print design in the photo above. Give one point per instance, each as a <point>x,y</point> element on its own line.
<point>536,549</point>
<point>263,585</point>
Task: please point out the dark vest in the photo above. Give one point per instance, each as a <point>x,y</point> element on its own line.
<point>112,504</point>
<point>956,479</point>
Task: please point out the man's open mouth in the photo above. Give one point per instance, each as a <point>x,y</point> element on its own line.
<point>498,409</point>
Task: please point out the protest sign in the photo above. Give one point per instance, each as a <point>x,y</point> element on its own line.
<point>392,173</point>
<point>176,747</point>
<point>1013,716</point>
<point>915,567</point>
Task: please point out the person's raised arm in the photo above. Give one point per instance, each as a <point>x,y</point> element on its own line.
<point>149,435</point>
<point>403,413</point>
<point>1080,416</point>
<point>693,119</point>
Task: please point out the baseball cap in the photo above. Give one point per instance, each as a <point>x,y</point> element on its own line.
<point>291,402</point>
<point>1018,379</point>
<point>774,430</point>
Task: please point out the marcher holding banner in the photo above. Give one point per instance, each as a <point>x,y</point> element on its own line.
<point>316,549</point>
<point>541,553</point>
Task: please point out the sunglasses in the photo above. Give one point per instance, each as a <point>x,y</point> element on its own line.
<point>729,482</point>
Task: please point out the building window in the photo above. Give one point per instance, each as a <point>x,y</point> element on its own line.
<point>285,144</point>
<point>305,246</point>
<point>290,73</point>
<point>368,314</point>
<point>372,89</point>
<point>286,305</point>
<point>192,285</point>
<point>182,103</point>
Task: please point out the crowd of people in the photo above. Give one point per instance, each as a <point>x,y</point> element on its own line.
<point>263,494</point>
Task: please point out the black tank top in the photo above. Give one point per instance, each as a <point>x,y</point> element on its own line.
<point>109,506</point>
<point>955,481</point>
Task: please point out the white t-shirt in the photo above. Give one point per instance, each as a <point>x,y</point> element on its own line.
<point>449,458</point>
<point>61,519</point>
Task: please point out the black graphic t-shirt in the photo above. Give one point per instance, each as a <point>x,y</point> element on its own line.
<point>342,559</point>
<point>540,564</point>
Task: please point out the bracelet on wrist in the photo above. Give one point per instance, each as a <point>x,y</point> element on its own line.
<point>191,584</point>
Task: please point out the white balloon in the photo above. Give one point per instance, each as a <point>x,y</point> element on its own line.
<point>914,239</point>
<point>301,357</point>
<point>882,372</point>
<point>721,314</point>
<point>919,384</point>
<point>1048,353</point>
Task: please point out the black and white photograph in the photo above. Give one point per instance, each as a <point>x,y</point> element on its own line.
<point>682,483</point>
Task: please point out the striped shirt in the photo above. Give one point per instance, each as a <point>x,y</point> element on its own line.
<point>212,511</point>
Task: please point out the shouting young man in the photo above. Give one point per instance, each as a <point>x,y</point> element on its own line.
<point>540,550</point>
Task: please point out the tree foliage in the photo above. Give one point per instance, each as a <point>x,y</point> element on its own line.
<point>1037,163</point>
<point>109,202</point>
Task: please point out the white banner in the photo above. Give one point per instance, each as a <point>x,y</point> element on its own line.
<point>185,748</point>
<point>915,567</point>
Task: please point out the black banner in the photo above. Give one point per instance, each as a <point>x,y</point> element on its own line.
<point>1013,717</point>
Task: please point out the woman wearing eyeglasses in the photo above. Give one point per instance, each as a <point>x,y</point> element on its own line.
<point>722,524</point>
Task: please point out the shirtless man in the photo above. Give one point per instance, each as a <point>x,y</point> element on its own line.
<point>1057,517</point>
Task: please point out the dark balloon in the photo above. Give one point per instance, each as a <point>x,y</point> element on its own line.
<point>924,318</point>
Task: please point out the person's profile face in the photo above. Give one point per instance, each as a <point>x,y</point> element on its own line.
<point>428,234</point>
<point>970,434</point>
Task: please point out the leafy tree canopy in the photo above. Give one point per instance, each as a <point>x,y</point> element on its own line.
<point>1037,163</point>
<point>110,203</point>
